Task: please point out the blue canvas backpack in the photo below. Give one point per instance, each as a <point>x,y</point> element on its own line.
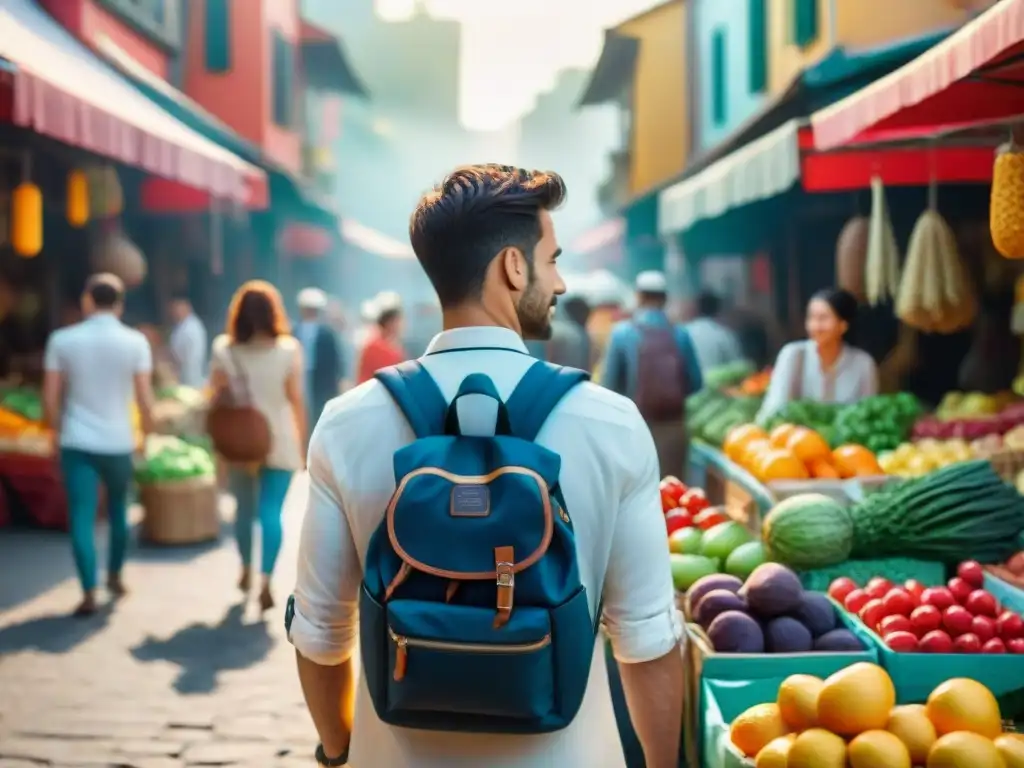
<point>473,616</point>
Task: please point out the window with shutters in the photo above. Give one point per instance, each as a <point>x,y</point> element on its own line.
<point>283,81</point>
<point>157,20</point>
<point>719,94</point>
<point>758,53</point>
<point>218,36</point>
<point>805,22</point>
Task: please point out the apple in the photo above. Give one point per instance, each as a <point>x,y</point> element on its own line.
<point>672,490</point>
<point>971,572</point>
<point>1010,626</point>
<point>872,613</point>
<point>982,603</point>
<point>897,601</point>
<point>940,597</point>
<point>901,642</point>
<point>914,589</point>
<point>685,541</point>
<point>960,589</point>
<point>967,643</point>
<point>856,600</point>
<point>983,627</point>
<point>925,619</point>
<point>677,519</point>
<point>956,620</point>
<point>878,587</point>
<point>936,642</point>
<point>709,518</point>
<point>1015,645</point>
<point>894,623</point>
<point>840,588</point>
<point>995,645</point>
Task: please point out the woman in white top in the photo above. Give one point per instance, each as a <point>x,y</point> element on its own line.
<point>825,367</point>
<point>258,352</point>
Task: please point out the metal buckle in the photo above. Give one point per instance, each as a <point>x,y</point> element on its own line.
<point>506,576</point>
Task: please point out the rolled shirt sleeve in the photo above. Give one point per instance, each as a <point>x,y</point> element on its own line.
<point>640,616</point>
<point>324,626</point>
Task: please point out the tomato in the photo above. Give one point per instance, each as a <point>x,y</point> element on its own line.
<point>982,603</point>
<point>898,602</point>
<point>872,613</point>
<point>984,627</point>
<point>694,501</point>
<point>901,642</point>
<point>971,572</point>
<point>956,620</point>
<point>878,587</point>
<point>856,600</point>
<point>895,623</point>
<point>1010,626</point>
<point>672,490</point>
<point>995,645</point>
<point>967,643</point>
<point>914,589</point>
<point>676,519</point>
<point>709,518</point>
<point>840,588</point>
<point>960,589</point>
<point>925,619</point>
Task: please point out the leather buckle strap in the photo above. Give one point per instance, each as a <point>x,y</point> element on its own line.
<point>504,568</point>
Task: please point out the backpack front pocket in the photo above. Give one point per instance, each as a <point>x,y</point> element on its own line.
<point>450,658</point>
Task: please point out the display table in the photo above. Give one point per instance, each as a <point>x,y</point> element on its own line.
<point>726,484</point>
<point>34,490</point>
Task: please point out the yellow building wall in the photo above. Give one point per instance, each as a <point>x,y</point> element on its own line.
<point>659,135</point>
<point>858,24</point>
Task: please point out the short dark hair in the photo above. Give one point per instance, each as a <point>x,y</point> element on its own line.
<point>105,289</point>
<point>388,315</point>
<point>708,304</point>
<point>476,211</point>
<point>256,308</point>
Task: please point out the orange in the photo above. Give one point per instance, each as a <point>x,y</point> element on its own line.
<point>962,704</point>
<point>855,461</point>
<point>779,436</point>
<point>911,725</point>
<point>798,701</point>
<point>961,749</point>
<point>855,699</point>
<point>776,753</point>
<point>780,465</point>
<point>808,445</point>
<point>754,729</point>
<point>822,469</point>
<point>1011,749</point>
<point>751,454</point>
<point>738,438</point>
<point>817,748</point>
<point>877,748</point>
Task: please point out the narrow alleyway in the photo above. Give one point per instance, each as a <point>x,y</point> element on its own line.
<point>180,673</point>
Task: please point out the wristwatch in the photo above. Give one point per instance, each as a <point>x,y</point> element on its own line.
<point>330,762</point>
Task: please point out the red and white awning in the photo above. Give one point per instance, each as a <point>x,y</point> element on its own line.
<point>62,90</point>
<point>975,76</point>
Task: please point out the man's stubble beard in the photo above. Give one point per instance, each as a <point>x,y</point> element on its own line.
<point>534,313</point>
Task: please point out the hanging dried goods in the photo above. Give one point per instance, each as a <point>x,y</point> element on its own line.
<point>882,268</point>
<point>1006,208</point>
<point>851,255</point>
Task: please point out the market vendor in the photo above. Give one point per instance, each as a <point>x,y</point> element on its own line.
<point>825,367</point>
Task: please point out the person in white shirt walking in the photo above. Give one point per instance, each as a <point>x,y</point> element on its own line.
<point>485,238</point>
<point>714,342</point>
<point>95,369</point>
<point>188,343</point>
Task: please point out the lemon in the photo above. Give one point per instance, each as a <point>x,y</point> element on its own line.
<point>1010,748</point>
<point>877,748</point>
<point>776,753</point>
<point>911,725</point>
<point>962,704</point>
<point>962,749</point>
<point>798,701</point>
<point>754,729</point>
<point>856,699</point>
<point>817,748</point>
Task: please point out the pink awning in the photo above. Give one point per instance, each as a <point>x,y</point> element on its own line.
<point>62,90</point>
<point>976,75</point>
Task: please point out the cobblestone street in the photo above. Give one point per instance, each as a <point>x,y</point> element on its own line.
<point>179,673</point>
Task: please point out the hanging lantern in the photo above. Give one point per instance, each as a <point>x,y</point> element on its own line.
<point>77,199</point>
<point>27,220</point>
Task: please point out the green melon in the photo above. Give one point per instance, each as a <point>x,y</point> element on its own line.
<point>808,531</point>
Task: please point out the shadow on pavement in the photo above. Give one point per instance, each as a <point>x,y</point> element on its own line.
<point>204,651</point>
<point>53,634</point>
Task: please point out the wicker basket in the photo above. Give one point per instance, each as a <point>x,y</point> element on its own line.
<point>181,512</point>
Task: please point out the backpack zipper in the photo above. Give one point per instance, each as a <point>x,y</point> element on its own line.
<point>404,643</point>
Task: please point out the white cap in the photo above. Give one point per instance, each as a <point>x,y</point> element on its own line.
<point>368,311</point>
<point>387,300</point>
<point>312,298</point>
<point>651,281</point>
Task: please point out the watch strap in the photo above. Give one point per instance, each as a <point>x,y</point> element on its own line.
<point>330,762</point>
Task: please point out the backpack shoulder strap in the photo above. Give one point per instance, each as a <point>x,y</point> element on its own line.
<point>417,395</point>
<point>537,394</point>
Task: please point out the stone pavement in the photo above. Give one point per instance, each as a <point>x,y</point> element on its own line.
<point>181,673</point>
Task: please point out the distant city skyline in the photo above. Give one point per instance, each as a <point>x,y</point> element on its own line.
<point>512,50</point>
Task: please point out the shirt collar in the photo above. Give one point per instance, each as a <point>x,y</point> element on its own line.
<point>103,317</point>
<point>476,337</point>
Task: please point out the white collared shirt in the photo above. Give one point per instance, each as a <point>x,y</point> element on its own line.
<point>610,479</point>
<point>189,347</point>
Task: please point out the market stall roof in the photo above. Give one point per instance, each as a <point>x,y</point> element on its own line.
<point>62,90</point>
<point>325,65</point>
<point>978,71</point>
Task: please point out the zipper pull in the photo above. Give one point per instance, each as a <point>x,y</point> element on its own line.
<point>401,658</point>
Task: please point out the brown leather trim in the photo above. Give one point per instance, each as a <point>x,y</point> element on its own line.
<point>506,580</point>
<point>533,557</point>
<point>403,573</point>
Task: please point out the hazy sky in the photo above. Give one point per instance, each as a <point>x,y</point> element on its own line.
<point>512,49</point>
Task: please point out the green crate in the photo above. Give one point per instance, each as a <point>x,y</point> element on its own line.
<point>896,569</point>
<point>724,701</point>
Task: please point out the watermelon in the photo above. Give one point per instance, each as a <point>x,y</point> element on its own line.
<point>809,530</point>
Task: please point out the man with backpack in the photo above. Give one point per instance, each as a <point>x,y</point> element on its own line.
<point>652,361</point>
<point>475,517</point>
